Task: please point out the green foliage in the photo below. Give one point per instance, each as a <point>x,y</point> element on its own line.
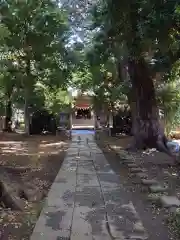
<point>82,79</point>
<point>106,84</point>
<point>4,33</point>
<point>41,55</point>
<point>34,37</point>
<point>169,99</point>
<point>55,100</point>
<point>168,95</point>
<point>126,30</point>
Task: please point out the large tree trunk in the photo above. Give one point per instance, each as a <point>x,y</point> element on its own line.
<point>27,91</point>
<point>26,115</point>
<point>8,117</point>
<point>9,89</point>
<point>8,106</point>
<point>147,130</point>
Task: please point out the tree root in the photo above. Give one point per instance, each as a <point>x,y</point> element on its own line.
<point>16,169</point>
<point>160,143</point>
<point>32,195</point>
<point>10,193</point>
<point>13,195</point>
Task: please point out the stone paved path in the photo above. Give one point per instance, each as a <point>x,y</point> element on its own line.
<point>86,200</point>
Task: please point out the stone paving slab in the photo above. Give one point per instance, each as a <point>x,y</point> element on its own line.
<point>72,154</point>
<point>81,229</point>
<point>123,221</point>
<point>141,175</point>
<point>69,160</point>
<point>90,162</point>
<point>52,235</point>
<point>73,145</point>
<point>84,154</point>
<point>85,201</point>
<point>105,170</point>
<point>102,166</point>
<point>110,180</point>
<point>63,199</point>
<point>88,190</point>
<point>72,150</point>
<point>96,151</point>
<point>84,158</point>
<point>69,166</point>
<point>54,218</point>
<point>65,178</point>
<point>94,222</point>
<point>87,180</point>
<point>99,157</point>
<point>127,162</point>
<point>158,188</point>
<point>89,197</point>
<point>170,201</point>
<point>136,170</point>
<point>132,165</point>
<point>86,170</point>
<point>112,195</point>
<point>149,182</point>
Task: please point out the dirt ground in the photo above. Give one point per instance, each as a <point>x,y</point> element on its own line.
<point>33,162</point>
<point>159,166</point>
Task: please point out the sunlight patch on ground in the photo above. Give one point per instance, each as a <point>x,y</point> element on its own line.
<point>115,147</point>
<point>52,144</point>
<point>12,142</point>
<point>30,148</point>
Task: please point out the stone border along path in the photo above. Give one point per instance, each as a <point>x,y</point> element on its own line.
<point>85,201</point>
<point>153,185</point>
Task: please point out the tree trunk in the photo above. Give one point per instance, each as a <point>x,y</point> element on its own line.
<point>147,130</point>
<point>26,113</point>
<point>27,89</point>
<point>8,117</point>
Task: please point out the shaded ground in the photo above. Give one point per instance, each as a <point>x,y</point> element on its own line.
<point>160,167</point>
<point>33,162</point>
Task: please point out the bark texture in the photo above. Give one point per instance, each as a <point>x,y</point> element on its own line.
<point>27,90</point>
<point>26,115</point>
<point>8,117</point>
<point>147,130</point>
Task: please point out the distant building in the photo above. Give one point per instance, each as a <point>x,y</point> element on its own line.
<point>82,113</point>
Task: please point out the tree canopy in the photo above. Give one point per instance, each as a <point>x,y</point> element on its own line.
<point>124,51</point>
<point>33,52</point>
